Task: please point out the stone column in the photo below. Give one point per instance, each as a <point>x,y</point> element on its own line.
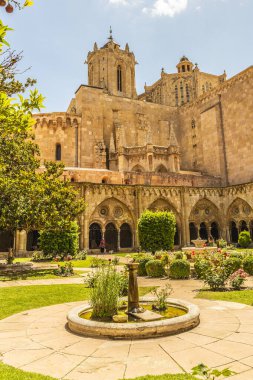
<point>21,241</point>
<point>119,239</point>
<point>133,292</point>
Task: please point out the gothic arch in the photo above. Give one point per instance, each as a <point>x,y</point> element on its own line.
<point>205,211</point>
<point>162,204</point>
<point>161,169</point>
<point>239,210</point>
<point>112,210</point>
<point>138,169</point>
<point>205,220</point>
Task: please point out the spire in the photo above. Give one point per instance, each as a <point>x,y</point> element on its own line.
<point>110,36</point>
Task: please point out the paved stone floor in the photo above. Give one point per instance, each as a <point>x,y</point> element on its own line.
<point>39,341</point>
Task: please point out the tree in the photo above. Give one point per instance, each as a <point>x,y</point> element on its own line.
<point>10,59</point>
<point>30,197</point>
<point>156,230</point>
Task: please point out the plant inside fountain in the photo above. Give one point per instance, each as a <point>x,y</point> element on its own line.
<point>107,305</point>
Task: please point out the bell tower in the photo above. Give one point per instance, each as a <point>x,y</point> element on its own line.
<point>112,68</point>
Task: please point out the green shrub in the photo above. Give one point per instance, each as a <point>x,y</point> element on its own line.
<point>81,255</point>
<point>201,266</point>
<point>244,239</point>
<point>156,230</point>
<point>179,255</point>
<point>60,243</point>
<point>97,262</point>
<point>142,259</point>
<point>179,269</point>
<point>155,268</point>
<point>104,296</point>
<point>236,254</point>
<point>248,265</point>
<point>232,264</point>
<point>65,270</point>
<point>216,278</point>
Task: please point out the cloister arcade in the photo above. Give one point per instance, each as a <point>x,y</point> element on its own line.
<point>116,223</point>
<point>112,221</point>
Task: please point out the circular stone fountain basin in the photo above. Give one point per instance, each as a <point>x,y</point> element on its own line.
<point>140,330</point>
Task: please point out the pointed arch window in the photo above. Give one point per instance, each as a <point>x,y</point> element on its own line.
<point>119,78</point>
<point>176,95</point>
<point>187,93</point>
<point>58,152</point>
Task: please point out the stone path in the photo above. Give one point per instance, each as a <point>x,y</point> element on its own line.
<point>39,341</point>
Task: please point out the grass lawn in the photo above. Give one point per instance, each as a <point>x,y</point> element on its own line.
<point>37,275</point>
<point>11,373</point>
<point>241,296</point>
<point>166,377</point>
<point>20,298</point>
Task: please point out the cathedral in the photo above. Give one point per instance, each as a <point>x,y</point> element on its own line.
<point>182,145</point>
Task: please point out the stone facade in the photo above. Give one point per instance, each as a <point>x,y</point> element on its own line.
<point>183,145</point>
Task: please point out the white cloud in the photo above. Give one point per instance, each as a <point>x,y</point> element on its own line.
<point>166,7</point>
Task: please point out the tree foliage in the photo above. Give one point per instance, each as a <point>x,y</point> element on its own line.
<point>10,59</point>
<point>31,197</point>
<point>156,230</point>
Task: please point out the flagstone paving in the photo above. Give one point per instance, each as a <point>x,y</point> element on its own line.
<point>39,341</point>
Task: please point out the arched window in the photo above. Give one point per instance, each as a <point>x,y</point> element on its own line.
<point>243,226</point>
<point>183,68</point>
<point>203,231</point>
<point>126,239</point>
<point>176,95</point>
<point>233,232</point>
<point>215,231</point>
<point>32,240</point>
<point>6,240</point>
<point>119,78</point>
<point>111,238</point>
<point>193,231</point>
<point>177,237</point>
<point>187,93</point>
<point>95,236</point>
<point>58,152</point>
<point>182,92</point>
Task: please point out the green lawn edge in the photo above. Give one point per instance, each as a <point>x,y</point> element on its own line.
<point>238,296</point>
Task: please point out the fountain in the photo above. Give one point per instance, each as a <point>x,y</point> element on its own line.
<point>145,323</point>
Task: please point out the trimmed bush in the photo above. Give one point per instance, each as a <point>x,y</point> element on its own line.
<point>244,239</point>
<point>142,259</point>
<point>179,269</point>
<point>236,254</point>
<point>179,255</point>
<point>232,264</point>
<point>154,268</point>
<point>248,265</point>
<point>201,266</point>
<point>157,230</point>
<point>60,243</point>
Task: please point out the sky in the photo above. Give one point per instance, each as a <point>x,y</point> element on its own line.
<point>56,36</point>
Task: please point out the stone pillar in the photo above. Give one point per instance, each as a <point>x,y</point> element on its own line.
<point>119,239</point>
<point>209,232</point>
<point>20,241</point>
<point>133,292</point>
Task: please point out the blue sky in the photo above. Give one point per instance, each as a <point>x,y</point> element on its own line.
<point>56,35</point>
